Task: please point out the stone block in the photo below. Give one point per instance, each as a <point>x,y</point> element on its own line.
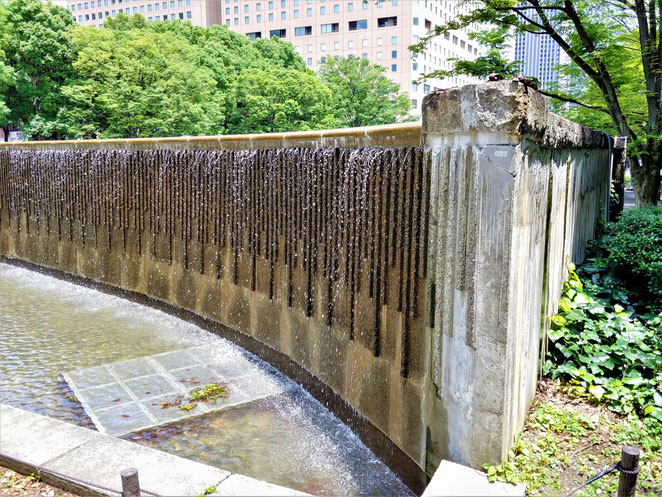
<point>157,283</point>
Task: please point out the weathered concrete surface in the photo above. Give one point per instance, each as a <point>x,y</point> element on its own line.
<point>91,456</point>
<point>454,480</point>
<point>515,191</point>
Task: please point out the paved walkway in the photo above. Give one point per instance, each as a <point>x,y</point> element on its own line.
<point>92,456</point>
<point>126,397</point>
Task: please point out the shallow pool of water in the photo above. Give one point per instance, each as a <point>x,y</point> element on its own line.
<point>48,327</point>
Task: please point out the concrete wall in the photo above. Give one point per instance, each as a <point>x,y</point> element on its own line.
<point>408,271</point>
<point>515,191</point>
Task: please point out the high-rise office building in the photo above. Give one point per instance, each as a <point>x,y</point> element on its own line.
<point>94,12</point>
<point>539,55</point>
<point>378,30</point>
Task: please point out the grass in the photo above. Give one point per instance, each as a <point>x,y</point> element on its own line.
<point>568,440</point>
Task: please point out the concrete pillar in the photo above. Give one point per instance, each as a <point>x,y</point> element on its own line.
<point>513,192</point>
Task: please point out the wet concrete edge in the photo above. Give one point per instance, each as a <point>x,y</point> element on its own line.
<point>396,459</point>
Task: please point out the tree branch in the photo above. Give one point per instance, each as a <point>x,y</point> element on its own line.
<point>571,100</point>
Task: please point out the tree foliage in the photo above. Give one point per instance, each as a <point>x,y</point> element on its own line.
<point>37,42</point>
<point>137,79</point>
<point>362,94</point>
<point>133,83</point>
<point>615,48</point>
<point>270,100</point>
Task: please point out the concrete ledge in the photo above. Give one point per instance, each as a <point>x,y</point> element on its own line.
<point>61,447</point>
<point>452,479</point>
<point>507,107</point>
<point>389,135</point>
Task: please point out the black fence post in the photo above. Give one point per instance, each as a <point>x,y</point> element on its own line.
<point>130,483</point>
<point>629,465</point>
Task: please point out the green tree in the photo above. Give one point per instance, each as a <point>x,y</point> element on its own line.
<point>362,94</point>
<point>270,100</point>
<point>595,34</point>
<point>133,82</point>
<point>36,39</point>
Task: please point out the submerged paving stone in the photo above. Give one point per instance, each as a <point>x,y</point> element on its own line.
<point>126,396</point>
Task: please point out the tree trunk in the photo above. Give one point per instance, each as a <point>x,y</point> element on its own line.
<point>645,170</point>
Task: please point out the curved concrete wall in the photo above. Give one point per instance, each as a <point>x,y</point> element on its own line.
<point>406,268</point>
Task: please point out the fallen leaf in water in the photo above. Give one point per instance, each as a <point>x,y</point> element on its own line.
<point>117,400</point>
<point>125,416</point>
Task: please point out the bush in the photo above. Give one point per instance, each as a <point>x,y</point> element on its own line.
<point>633,247</point>
<point>600,347</point>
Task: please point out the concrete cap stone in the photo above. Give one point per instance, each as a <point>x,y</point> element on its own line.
<point>508,107</point>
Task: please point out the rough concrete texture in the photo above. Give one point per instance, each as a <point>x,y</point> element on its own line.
<point>88,455</point>
<point>455,480</point>
<point>515,191</point>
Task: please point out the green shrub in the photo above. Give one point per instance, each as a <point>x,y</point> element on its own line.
<point>602,349</point>
<point>633,247</point>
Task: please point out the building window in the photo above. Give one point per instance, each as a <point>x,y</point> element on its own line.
<point>181,15</point>
<point>259,18</point>
<point>380,55</point>
<point>394,68</point>
<point>236,10</point>
<point>283,3</point>
<point>350,6</point>
<point>303,31</point>
<point>271,5</point>
<point>394,54</point>
<point>426,89</point>
<point>296,14</point>
<point>394,2</point>
<point>309,48</point>
<point>189,15</point>
<point>309,12</point>
<point>322,10</point>
<point>247,20</point>
<point>323,47</point>
<point>180,3</point>
<point>94,16</point>
<point>188,3</point>
<point>365,4</point>
<point>387,22</point>
<point>246,7</point>
<point>172,4</point>
<point>414,103</point>
<point>227,21</point>
<point>258,6</point>
<point>380,41</point>
<point>271,16</point>
<point>364,56</point>
<point>414,66</point>
<point>330,28</point>
<point>394,40</point>
<point>355,25</point>
<point>254,36</point>
<point>336,8</point>
<point>380,3</point>
<point>323,60</point>
<point>415,21</point>
<point>149,8</point>
<point>414,87</point>
<point>350,44</point>
<point>278,33</point>
<point>310,61</point>
<point>142,9</point>
<point>336,45</point>
<point>283,15</point>
<point>364,42</point>
<point>455,39</point>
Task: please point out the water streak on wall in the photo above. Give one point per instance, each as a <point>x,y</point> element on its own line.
<point>353,220</point>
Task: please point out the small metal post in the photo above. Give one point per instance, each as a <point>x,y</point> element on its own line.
<point>130,484</point>
<point>627,482</point>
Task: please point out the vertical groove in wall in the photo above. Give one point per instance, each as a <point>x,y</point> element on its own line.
<point>351,223</point>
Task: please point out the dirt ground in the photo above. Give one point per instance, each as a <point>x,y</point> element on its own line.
<point>17,485</point>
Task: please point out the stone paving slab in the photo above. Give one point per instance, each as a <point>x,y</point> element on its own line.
<point>97,458</point>
<point>125,397</point>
